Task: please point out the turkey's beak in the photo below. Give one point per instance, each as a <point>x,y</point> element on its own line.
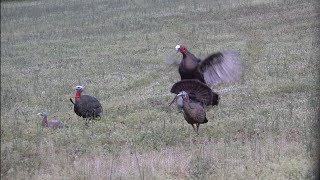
<point>180,94</point>
<point>39,114</point>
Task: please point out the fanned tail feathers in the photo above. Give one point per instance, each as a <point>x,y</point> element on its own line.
<point>195,89</point>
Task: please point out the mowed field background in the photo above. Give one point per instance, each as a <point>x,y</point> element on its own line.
<point>265,127</point>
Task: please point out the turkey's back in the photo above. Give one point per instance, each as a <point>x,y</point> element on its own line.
<point>54,124</point>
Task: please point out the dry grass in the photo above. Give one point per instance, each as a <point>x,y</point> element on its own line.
<point>265,127</point>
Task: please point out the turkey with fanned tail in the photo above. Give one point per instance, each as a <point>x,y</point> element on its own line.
<point>197,91</point>
<point>194,95</point>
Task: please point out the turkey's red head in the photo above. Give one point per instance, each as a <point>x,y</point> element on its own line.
<point>78,89</point>
<point>181,49</point>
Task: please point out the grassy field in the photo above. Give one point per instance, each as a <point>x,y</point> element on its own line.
<point>265,126</point>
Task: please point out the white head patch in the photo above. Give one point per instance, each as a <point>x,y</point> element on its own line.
<point>78,87</point>
<point>177,47</point>
<point>43,114</point>
<point>182,93</point>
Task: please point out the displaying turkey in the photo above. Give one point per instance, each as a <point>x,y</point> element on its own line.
<point>53,123</point>
<point>197,91</point>
<point>215,68</point>
<point>195,95</point>
<point>86,106</point>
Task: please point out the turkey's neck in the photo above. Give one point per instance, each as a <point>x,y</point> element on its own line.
<point>183,50</point>
<point>78,94</point>
<point>44,122</point>
<point>189,60</point>
<point>186,104</point>
<point>184,56</point>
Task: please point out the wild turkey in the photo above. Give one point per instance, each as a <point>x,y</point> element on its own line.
<point>215,68</point>
<point>194,95</point>
<point>53,124</point>
<point>197,91</point>
<point>86,106</point>
<point>193,112</point>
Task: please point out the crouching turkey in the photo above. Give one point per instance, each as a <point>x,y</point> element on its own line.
<point>191,97</point>
<point>52,124</point>
<point>85,106</point>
